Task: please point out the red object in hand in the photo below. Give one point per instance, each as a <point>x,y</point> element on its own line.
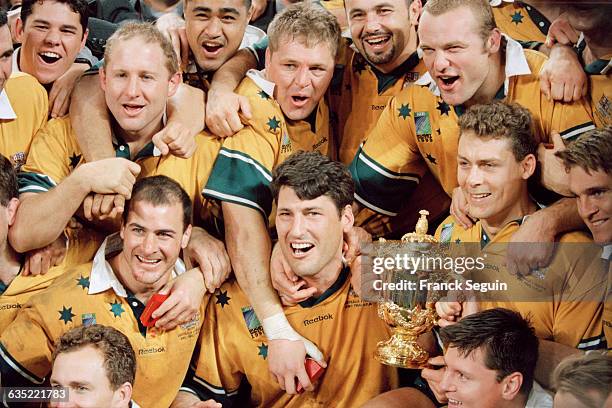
<point>155,302</point>
<point>314,371</point>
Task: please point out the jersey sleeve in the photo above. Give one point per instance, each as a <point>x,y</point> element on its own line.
<point>388,165</point>
<point>25,350</point>
<point>49,160</point>
<point>242,172</point>
<point>214,374</point>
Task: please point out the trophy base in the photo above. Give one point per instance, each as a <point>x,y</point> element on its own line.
<point>402,351</point>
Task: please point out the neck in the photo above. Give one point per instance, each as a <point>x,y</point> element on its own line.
<point>325,278</point>
<point>524,206</point>
<point>599,45</point>
<point>138,139</point>
<point>141,291</point>
<point>494,80</point>
<point>410,48</point>
<point>9,264</point>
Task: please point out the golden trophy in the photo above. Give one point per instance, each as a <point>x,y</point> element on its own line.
<point>408,313</point>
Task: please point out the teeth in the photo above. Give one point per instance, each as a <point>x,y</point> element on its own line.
<point>147,261</point>
<point>50,54</point>
<point>455,402</point>
<point>301,246</point>
<point>483,195</point>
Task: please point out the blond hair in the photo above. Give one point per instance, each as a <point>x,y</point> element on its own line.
<point>150,35</point>
<point>480,8</point>
<point>308,23</point>
<point>583,375</point>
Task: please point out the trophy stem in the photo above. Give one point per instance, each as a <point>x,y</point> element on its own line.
<point>402,350</point>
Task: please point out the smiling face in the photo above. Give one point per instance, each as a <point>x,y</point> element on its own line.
<point>6,53</point>
<point>468,383</point>
<point>310,231</point>
<point>137,85</point>
<point>381,30</point>
<point>50,40</point>
<point>594,199</point>
<point>82,372</point>
<point>455,54</point>
<point>214,30</point>
<point>153,237</point>
<point>301,75</point>
<point>492,180</point>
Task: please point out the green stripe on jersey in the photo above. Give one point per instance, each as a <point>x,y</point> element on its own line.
<point>34,183</point>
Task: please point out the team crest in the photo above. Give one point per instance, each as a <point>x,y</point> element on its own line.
<point>252,322</point>
<point>18,159</point>
<point>447,232</point>
<point>423,126</point>
<point>604,110</point>
<point>89,319</point>
<point>285,144</point>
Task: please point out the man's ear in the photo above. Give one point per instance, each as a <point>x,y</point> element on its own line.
<point>528,164</point>
<point>494,41</point>
<point>85,34</point>
<point>19,30</point>
<point>347,218</point>
<point>511,385</point>
<point>123,395</point>
<point>174,83</point>
<point>12,210</point>
<point>102,75</point>
<point>414,12</point>
<point>186,236</point>
<point>268,57</point>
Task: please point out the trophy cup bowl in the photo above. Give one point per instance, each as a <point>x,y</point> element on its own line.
<point>408,313</point>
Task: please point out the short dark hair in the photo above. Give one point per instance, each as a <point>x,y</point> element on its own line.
<point>498,332</point>
<point>78,6</point>
<point>116,350</point>
<point>8,181</point>
<point>247,3</point>
<point>591,151</point>
<point>311,175</point>
<point>3,18</point>
<point>158,191</point>
<point>501,120</point>
<point>582,375</point>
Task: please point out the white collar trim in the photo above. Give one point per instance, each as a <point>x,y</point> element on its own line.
<point>6,110</point>
<point>260,80</point>
<point>103,277</point>
<point>516,64</point>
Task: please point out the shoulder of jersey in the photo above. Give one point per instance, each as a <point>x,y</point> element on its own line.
<point>263,106</point>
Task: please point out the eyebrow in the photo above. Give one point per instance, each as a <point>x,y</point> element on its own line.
<point>71,26</point>
<point>222,10</point>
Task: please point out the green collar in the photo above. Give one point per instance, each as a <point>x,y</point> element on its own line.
<point>336,286</point>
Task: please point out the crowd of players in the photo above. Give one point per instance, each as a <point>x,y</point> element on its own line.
<point>172,148</point>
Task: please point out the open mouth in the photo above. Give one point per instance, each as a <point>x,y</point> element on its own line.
<point>377,41</point>
<point>597,223</point>
<point>299,100</point>
<point>454,403</point>
<point>49,57</point>
<point>212,47</point>
<point>480,196</point>
<point>148,261</point>
<point>132,109</point>
<point>301,248</point>
<point>447,82</point>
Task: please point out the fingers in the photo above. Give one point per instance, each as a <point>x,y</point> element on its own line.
<point>87,206</point>
<point>557,91</point>
<point>545,86</point>
<point>304,380</point>
<point>290,382</point>
<point>61,103</point>
<point>26,267</point>
<point>119,203</point>
<point>158,141</point>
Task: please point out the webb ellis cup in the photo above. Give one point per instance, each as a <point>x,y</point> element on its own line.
<point>409,313</point>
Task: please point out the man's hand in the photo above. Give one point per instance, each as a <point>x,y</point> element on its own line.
<point>460,209</point>
<point>553,174</point>
<point>258,7</point>
<point>562,78</point>
<point>561,32</point>
<point>40,260</point>
<point>103,206</point>
<point>175,139</point>
<point>186,294</point>
<point>451,311</point>
<point>173,27</point>
<point>434,377</point>
<point>209,254</point>
<point>222,116</point>
<point>354,239</point>
<point>110,176</point>
<point>59,96</point>
<point>287,284</point>
<point>188,400</point>
<point>532,246</point>
<point>286,363</point>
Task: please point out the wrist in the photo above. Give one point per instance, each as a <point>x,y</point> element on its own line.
<point>277,327</point>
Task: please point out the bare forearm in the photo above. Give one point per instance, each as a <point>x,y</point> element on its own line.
<point>249,248</point>
<point>49,211</point>
<point>562,216</point>
<point>550,355</point>
<point>90,119</point>
<point>186,106</point>
<point>184,399</point>
<point>229,75</point>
